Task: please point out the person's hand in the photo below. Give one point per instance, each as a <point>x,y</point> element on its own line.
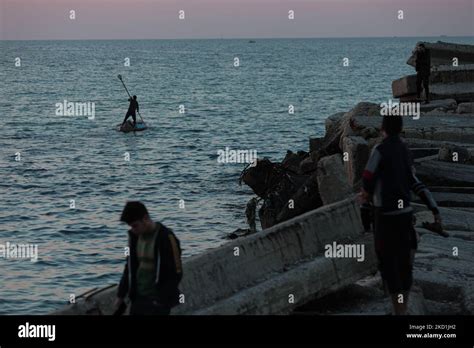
<point>363,197</point>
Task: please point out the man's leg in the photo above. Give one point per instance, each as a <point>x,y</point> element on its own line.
<point>406,248</point>
<point>394,235</point>
<point>426,87</point>
<point>418,84</point>
<point>134,116</point>
<point>400,303</point>
<point>127,115</point>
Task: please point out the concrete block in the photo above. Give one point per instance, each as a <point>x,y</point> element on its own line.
<point>356,150</point>
<point>332,181</point>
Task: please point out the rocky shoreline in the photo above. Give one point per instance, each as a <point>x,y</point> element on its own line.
<point>307,202</point>
<point>441,139</point>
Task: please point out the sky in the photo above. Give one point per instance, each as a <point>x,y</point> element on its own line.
<point>158,19</point>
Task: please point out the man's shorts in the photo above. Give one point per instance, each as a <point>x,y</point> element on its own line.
<point>395,239</point>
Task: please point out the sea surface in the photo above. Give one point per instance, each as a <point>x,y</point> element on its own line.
<point>47,160</point>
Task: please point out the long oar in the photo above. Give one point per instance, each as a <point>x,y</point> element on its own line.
<point>123,83</point>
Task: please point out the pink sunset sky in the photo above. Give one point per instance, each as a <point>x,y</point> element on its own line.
<point>158,19</point>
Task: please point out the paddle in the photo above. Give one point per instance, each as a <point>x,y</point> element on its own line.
<point>123,83</point>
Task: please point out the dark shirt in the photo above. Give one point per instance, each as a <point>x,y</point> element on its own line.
<point>390,176</point>
<point>423,61</point>
<point>133,106</point>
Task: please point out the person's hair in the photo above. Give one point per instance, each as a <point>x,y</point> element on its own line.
<point>135,97</point>
<point>392,125</point>
<point>133,211</point>
<point>421,45</point>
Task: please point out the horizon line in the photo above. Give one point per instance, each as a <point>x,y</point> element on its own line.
<point>251,38</point>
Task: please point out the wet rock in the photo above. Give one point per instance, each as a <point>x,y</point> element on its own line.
<point>332,181</point>
<point>275,183</point>
<point>355,155</point>
<point>308,165</point>
<point>293,160</point>
<point>305,199</point>
<point>329,145</point>
<point>262,177</point>
<point>315,144</point>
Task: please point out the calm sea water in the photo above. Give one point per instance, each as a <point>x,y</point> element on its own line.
<point>67,157</point>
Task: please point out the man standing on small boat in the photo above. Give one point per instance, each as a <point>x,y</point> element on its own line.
<point>133,108</point>
<point>153,269</point>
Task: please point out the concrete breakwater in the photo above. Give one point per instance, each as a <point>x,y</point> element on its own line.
<point>271,272</point>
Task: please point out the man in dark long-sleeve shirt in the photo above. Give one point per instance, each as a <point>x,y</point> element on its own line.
<point>387,180</point>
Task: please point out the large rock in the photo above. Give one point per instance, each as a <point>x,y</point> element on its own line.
<point>428,143</point>
<point>446,82</point>
<point>441,127</point>
<point>293,160</point>
<point>332,181</point>
<point>461,92</point>
<point>448,74</point>
<point>444,266</point>
<point>440,104</point>
<point>261,177</point>
<point>404,86</point>
<point>305,199</point>
<point>333,122</point>
<point>355,156</point>
<point>315,144</point>
<point>420,152</point>
<point>448,199</point>
<point>328,145</point>
<point>442,53</point>
<point>362,109</point>
<point>274,183</point>
<point>308,165</point>
<point>441,173</point>
<point>457,197</point>
<point>454,154</point>
<point>465,108</point>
